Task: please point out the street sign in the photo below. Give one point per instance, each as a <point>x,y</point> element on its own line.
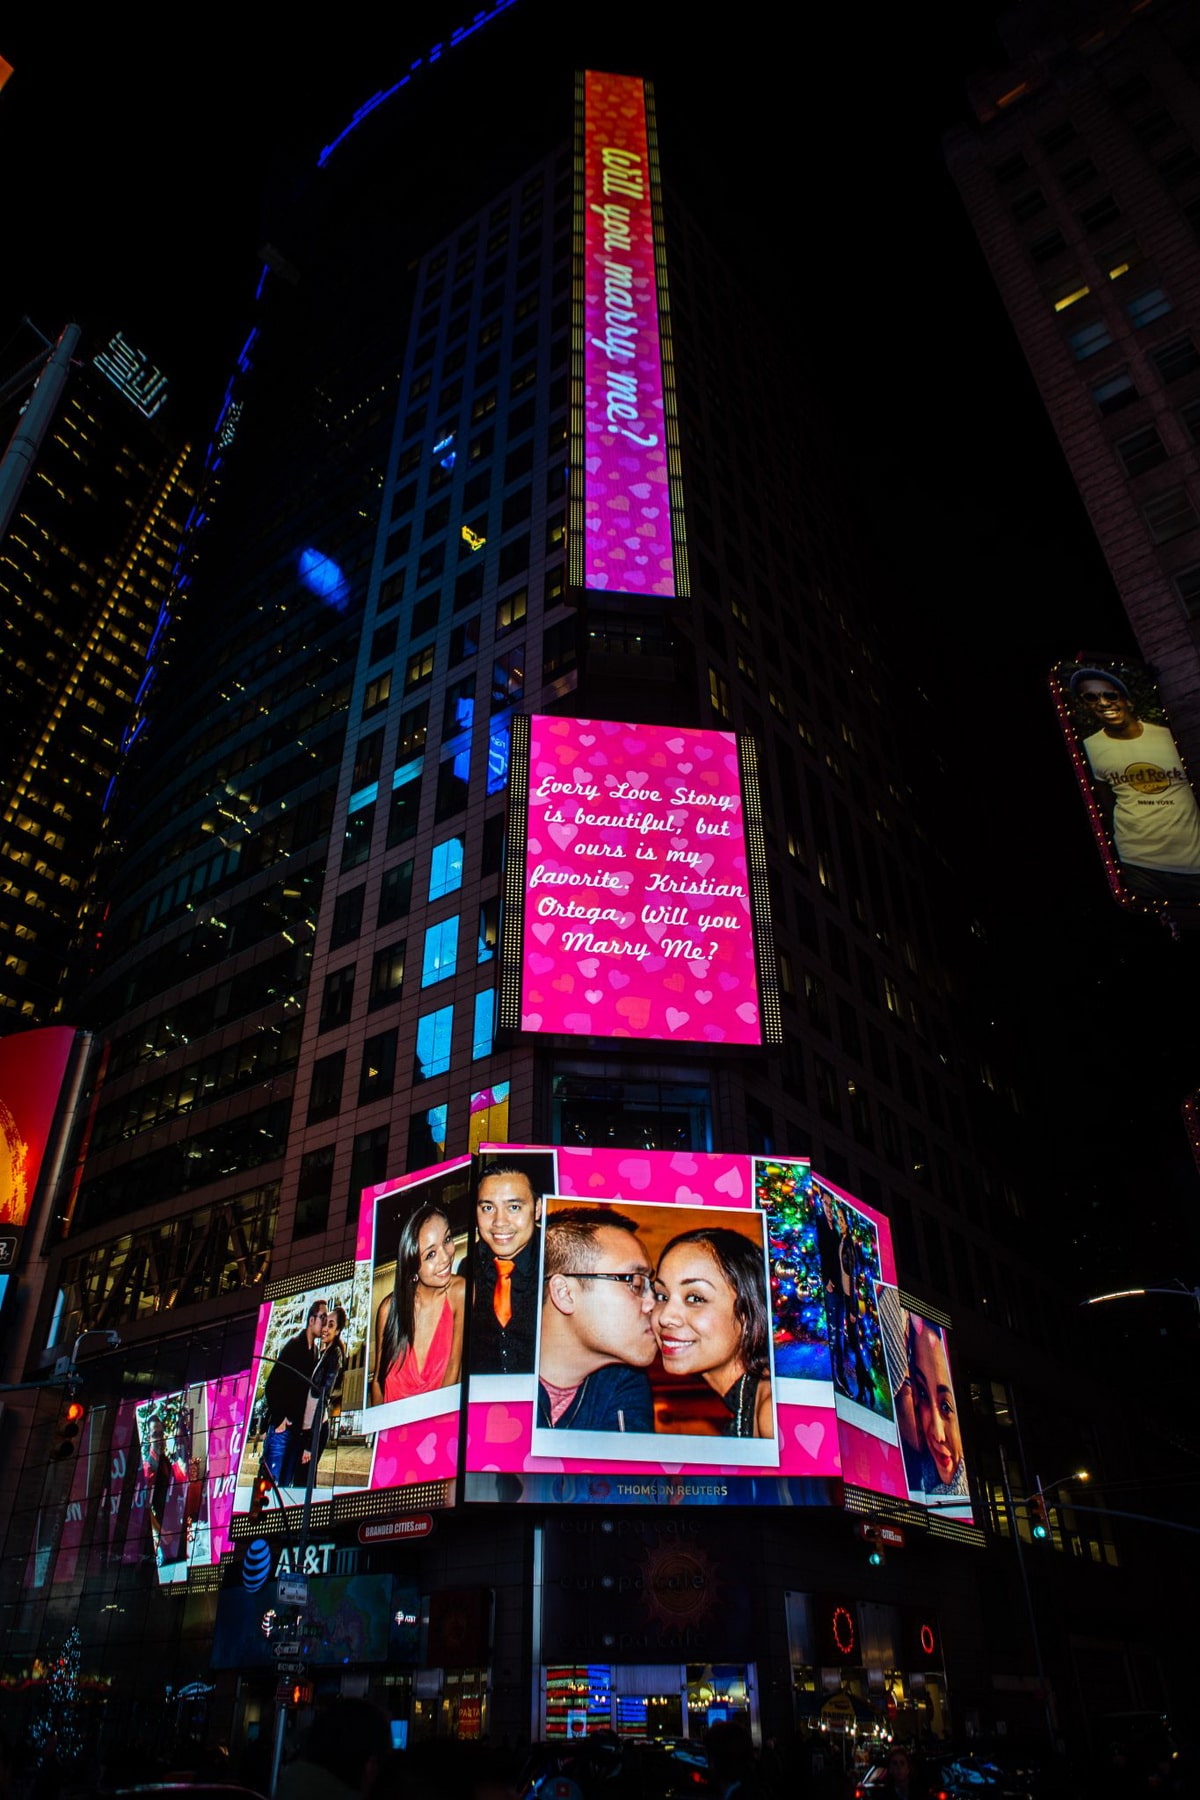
<point>292,1590</point>
<point>394,1531</point>
<point>284,1643</point>
<point>291,1667</point>
<point>891,1535</point>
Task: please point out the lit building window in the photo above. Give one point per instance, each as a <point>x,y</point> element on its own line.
<point>440,958</point>
<point>434,1032</point>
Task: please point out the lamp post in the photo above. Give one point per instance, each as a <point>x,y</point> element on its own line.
<point>1180,1291</point>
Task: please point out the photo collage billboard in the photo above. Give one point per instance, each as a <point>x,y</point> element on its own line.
<point>635,900</point>
<point>380,1341</point>
<point>624,1326</point>
<point>1139,797</point>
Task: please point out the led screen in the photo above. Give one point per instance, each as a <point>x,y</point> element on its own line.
<point>639,886</point>
<point>918,1360</point>
<point>391,1390</point>
<point>673,1330</point>
<point>32,1066</point>
<point>1139,798</point>
<point>627,538</point>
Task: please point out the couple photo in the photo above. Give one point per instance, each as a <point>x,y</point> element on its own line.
<point>314,1347</point>
<point>655,1320</point>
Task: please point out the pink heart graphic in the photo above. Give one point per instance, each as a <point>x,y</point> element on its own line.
<point>563,834</point>
<point>675,1018</point>
<point>543,933</point>
<point>748,1012</point>
<point>541,965</point>
<point>810,1438</point>
<point>685,1197</point>
<point>730,1183</point>
<point>702,996</point>
<point>531,1021</point>
<point>636,1171</point>
<point>501,1426</point>
<point>427,1449</point>
<point>676,745</point>
<point>617,980</point>
<point>588,966</point>
<point>686,768</point>
<point>587,739</point>
<point>594,996</point>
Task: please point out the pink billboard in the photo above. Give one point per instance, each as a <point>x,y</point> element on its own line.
<point>636,885</point>
<point>690,1342</point>
<point>381,1340</point>
<point>627,544</point>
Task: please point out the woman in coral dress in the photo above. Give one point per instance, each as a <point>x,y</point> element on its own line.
<point>419,1325</point>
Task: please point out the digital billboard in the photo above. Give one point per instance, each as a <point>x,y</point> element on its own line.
<point>918,1361</point>
<point>379,1340</point>
<point>635,898</point>
<point>32,1067</point>
<point>677,1331</point>
<point>1138,795</point>
<point>621,538</point>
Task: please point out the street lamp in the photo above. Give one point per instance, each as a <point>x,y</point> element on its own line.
<point>1039,1519</point>
<point>1180,1291</point>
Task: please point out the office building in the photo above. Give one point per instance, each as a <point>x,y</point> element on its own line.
<point>85,569</point>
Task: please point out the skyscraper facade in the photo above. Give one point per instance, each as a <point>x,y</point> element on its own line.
<point>298,973</point>
<point>87,563</point>
<point>1081,177</point>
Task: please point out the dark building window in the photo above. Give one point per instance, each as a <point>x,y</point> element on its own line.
<point>1141,450</point>
<point>356,845</point>
<point>404,812</point>
<point>1112,392</point>
<point>325,1095</point>
<point>1176,359</point>
<point>414,727</point>
<point>347,918</point>
<point>452,786</point>
<point>313,1190</point>
<point>660,1115</point>
<point>368,1164</point>
<point>378,1074</point>
<point>1169,515</point>
<point>395,893</point>
<point>387,975</point>
<point>337,998</point>
<point>383,642</point>
<point>464,640</point>
<point>508,678</point>
<point>366,759</point>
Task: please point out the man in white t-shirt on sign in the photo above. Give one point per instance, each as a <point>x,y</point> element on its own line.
<point>1145,793</point>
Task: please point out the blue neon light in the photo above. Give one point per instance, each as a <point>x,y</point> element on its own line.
<point>322,577</point>
<point>457,36</point>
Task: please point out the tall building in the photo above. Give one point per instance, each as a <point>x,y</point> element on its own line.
<point>297,979</point>
<point>86,565</point>
<point>1081,177</point>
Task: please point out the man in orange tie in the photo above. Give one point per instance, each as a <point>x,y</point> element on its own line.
<point>508,1215</point>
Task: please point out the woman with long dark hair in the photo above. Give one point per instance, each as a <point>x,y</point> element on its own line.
<point>419,1325</point>
<point>710,1319</point>
<point>330,1364</point>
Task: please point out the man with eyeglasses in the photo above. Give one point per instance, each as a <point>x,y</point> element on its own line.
<point>287,1389</point>
<point>1143,789</point>
<point>596,1338</point>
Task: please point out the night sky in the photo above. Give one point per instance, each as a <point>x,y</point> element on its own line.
<point>134,161</point>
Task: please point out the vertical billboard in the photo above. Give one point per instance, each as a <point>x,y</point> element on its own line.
<point>658,1326</point>
<point>33,1065</point>
<point>622,538</point>
<point>1139,798</point>
<point>635,898</point>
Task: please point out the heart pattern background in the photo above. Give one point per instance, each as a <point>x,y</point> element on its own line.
<point>627,502</point>
<point>693,978</point>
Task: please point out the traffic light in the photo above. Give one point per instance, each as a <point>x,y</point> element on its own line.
<point>1039,1525</point>
<point>70,1422</point>
<point>301,1694</point>
<point>260,1493</point>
